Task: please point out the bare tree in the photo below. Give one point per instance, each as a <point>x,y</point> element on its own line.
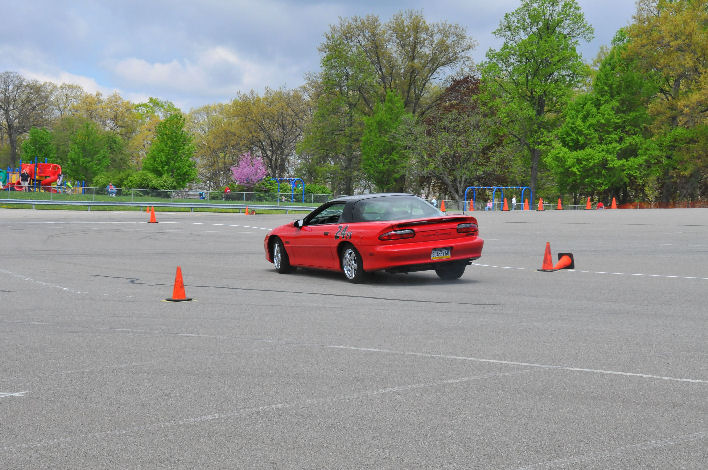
<point>23,104</point>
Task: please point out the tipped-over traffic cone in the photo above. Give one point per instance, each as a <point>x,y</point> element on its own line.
<point>526,204</point>
<point>153,220</point>
<point>178,294</point>
<point>560,206</point>
<point>540,204</point>
<point>442,206</point>
<point>614,204</point>
<point>565,261</point>
<point>588,206</point>
<point>506,205</point>
<point>547,259</point>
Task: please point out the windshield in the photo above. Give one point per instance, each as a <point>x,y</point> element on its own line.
<point>393,208</point>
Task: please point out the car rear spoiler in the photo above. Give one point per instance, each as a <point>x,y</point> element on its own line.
<point>436,220</point>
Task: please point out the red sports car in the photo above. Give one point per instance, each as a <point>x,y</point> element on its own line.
<point>372,232</point>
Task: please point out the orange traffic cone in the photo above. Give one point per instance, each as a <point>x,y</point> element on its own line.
<point>540,204</point>
<point>588,206</point>
<point>560,206</point>
<point>153,220</point>
<point>526,204</point>
<point>471,206</point>
<point>565,261</point>
<point>247,213</point>
<point>147,209</point>
<point>506,205</point>
<point>547,265</point>
<point>442,206</point>
<point>178,294</point>
<point>614,204</point>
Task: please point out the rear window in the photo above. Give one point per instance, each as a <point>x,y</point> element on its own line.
<point>393,208</point>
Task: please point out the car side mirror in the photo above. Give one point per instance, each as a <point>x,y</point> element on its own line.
<point>299,223</point>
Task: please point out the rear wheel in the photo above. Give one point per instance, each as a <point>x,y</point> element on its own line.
<point>281,261</point>
<point>451,271</point>
<point>352,265</point>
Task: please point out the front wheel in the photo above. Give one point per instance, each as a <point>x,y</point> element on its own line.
<point>281,260</point>
<point>352,265</point>
<point>451,271</point>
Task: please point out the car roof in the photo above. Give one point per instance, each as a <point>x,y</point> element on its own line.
<point>367,196</point>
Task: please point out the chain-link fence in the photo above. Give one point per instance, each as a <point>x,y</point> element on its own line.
<point>138,195</point>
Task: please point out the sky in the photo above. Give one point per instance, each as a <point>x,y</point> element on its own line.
<point>202,52</point>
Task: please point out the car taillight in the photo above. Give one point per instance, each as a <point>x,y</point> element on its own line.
<point>397,234</point>
<point>466,228</point>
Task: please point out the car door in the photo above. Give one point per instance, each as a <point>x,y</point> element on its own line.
<point>316,244</point>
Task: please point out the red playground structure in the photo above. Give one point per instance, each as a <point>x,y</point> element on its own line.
<point>42,176</point>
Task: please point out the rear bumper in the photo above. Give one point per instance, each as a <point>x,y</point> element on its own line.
<point>416,256</point>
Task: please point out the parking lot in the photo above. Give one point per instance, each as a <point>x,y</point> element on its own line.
<point>603,366</point>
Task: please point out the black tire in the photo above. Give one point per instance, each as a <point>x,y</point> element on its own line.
<point>281,260</point>
<point>352,264</point>
<point>451,271</point>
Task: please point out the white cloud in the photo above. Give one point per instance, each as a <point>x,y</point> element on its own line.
<point>216,71</point>
<point>87,83</point>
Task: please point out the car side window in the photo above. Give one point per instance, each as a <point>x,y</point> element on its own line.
<point>328,215</point>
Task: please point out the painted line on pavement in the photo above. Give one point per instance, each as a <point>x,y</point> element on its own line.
<point>594,456</point>
<point>41,283</point>
<point>178,423</point>
<point>523,364</point>
<point>13,394</point>
<point>664,276</point>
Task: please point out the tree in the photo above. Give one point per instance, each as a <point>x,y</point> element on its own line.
<point>331,144</point>
<point>218,142</point>
<point>64,98</point>
<point>249,171</point>
<point>273,124</point>
<point>39,144</point>
<point>171,152</point>
<point>23,104</point>
<point>363,59</point>
<point>461,141</point>
<point>669,41</point>
<point>89,152</point>
<point>603,144</point>
<point>385,157</point>
<point>407,54</point>
<point>531,77</point>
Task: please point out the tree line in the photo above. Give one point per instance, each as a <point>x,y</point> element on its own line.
<point>398,105</point>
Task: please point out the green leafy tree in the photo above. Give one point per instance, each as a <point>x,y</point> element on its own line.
<point>331,144</point>
<point>603,144</point>
<point>39,144</point>
<point>385,156</point>
<point>363,59</point>
<point>669,41</point>
<point>532,76</point>
<point>89,152</point>
<point>172,151</point>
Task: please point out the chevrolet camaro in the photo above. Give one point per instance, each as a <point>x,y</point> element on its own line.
<point>375,232</point>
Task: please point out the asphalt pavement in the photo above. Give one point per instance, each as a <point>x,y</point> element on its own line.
<point>603,366</point>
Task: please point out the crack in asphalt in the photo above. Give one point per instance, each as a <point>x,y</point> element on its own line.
<point>137,281</point>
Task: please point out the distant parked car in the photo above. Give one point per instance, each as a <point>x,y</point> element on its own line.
<point>361,234</point>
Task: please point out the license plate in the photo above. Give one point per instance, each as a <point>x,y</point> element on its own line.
<point>440,253</point>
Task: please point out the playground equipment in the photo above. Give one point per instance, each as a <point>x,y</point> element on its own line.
<point>293,185</point>
<point>43,174</point>
<point>494,193</point>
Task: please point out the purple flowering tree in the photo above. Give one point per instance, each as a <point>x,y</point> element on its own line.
<point>249,171</point>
